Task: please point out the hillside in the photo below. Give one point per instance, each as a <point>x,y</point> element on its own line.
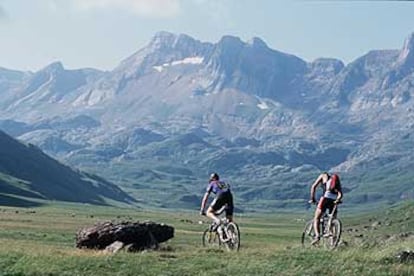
<point>25,171</point>
<point>179,108</point>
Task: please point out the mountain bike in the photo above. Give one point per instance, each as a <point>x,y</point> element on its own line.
<point>330,228</point>
<point>227,233</point>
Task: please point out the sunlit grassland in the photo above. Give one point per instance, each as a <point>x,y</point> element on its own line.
<point>40,241</point>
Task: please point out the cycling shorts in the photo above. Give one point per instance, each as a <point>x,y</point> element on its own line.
<point>222,199</point>
<point>326,204</point>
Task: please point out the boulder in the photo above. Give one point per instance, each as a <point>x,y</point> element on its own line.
<point>405,256</point>
<point>134,236</point>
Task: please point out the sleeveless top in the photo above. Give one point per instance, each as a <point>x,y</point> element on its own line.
<point>331,186</point>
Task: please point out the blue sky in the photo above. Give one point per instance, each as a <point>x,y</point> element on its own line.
<point>100,33</point>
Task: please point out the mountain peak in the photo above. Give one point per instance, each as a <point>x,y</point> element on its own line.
<point>407,52</point>
<point>163,39</point>
<point>231,43</point>
<point>257,42</point>
<point>54,67</point>
<point>163,36</point>
<point>229,39</point>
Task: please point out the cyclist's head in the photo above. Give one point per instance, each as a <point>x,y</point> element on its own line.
<point>214,177</point>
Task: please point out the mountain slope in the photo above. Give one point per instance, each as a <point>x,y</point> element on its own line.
<point>26,171</point>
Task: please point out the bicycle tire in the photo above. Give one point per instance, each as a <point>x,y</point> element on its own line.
<point>308,234</point>
<point>233,232</point>
<point>336,229</point>
<point>210,238</point>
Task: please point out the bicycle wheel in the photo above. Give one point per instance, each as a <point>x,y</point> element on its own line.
<point>211,238</point>
<point>334,237</point>
<point>308,234</point>
<point>233,234</point>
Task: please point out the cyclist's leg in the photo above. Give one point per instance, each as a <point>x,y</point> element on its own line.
<point>210,213</point>
<point>229,206</point>
<point>329,205</point>
<point>221,210</point>
<point>336,212</point>
<point>213,208</point>
<point>318,213</point>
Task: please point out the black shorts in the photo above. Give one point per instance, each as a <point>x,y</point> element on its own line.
<point>326,204</point>
<point>222,199</point>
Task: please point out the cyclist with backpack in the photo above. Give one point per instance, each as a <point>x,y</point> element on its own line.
<point>332,195</point>
<point>223,199</point>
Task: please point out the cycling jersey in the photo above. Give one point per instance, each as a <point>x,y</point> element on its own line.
<point>217,187</point>
<point>223,196</point>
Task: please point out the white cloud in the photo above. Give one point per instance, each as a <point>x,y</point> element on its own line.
<point>147,8</point>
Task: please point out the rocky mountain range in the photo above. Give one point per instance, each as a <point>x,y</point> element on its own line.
<point>268,121</point>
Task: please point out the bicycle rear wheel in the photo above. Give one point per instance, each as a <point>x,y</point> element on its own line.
<point>332,241</point>
<point>308,234</point>
<point>233,234</point>
<point>211,238</point>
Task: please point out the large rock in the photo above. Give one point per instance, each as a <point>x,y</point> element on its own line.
<point>134,236</point>
<point>405,256</point>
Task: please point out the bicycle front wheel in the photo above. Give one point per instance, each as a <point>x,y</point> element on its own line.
<point>211,238</point>
<point>233,234</point>
<point>334,234</point>
<point>308,235</point>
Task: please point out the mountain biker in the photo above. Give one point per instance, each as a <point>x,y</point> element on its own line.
<point>223,199</point>
<point>332,195</point>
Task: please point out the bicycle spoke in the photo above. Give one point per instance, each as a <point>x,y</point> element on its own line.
<point>210,238</point>
<point>233,236</point>
<point>337,230</point>
<point>308,234</point>
<point>331,241</point>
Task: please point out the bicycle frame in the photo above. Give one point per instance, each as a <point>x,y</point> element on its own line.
<point>330,216</point>
<point>330,227</point>
<point>230,234</point>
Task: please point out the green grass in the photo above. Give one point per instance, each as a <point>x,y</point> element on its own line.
<point>40,241</point>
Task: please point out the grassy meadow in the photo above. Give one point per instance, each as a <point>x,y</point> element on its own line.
<point>40,241</point>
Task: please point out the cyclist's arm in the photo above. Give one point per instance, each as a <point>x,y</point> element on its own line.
<point>314,186</point>
<point>339,197</point>
<point>204,201</point>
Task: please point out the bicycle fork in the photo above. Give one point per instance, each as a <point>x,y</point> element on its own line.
<point>223,233</point>
<point>327,232</point>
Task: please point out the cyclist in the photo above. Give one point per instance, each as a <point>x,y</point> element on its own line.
<point>332,195</point>
<point>223,199</point>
